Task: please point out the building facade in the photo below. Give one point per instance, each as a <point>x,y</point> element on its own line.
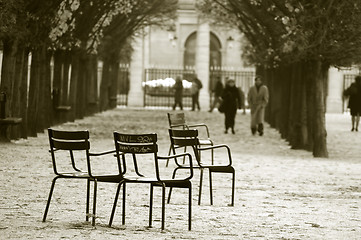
<point>191,44</point>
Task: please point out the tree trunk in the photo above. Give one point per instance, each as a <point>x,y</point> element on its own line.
<point>34,94</point>
<point>65,80</point>
<point>113,87</point>
<point>104,95</point>
<point>73,84</point>
<point>8,73</point>
<point>318,96</point>
<point>24,96</point>
<point>16,91</point>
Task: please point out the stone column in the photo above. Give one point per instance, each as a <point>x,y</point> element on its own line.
<point>202,63</point>
<point>136,68</point>
<point>335,88</point>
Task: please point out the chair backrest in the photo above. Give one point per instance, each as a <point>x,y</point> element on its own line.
<point>183,138</point>
<point>176,120</point>
<point>135,144</point>
<point>69,141</point>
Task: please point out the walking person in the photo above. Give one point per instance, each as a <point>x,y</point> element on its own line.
<point>243,104</point>
<point>217,90</point>
<point>258,99</point>
<point>178,93</point>
<point>231,101</point>
<point>354,102</point>
<point>196,87</point>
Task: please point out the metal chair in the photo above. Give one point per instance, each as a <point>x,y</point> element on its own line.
<point>74,144</point>
<point>189,138</point>
<point>178,121</point>
<point>130,147</point>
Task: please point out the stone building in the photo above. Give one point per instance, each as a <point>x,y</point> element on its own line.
<point>192,44</point>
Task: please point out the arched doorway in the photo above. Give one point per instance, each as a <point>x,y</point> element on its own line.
<point>190,46</point>
<point>215,58</point>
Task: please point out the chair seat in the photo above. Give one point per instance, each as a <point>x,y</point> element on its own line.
<point>74,175</point>
<point>174,183</point>
<point>109,178</point>
<point>140,179</point>
<point>224,169</point>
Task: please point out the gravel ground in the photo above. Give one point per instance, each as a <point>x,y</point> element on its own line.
<point>280,193</point>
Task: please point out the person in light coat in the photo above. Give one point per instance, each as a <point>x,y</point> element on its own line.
<point>258,99</point>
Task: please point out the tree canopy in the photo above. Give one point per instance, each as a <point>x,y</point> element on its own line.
<point>293,30</point>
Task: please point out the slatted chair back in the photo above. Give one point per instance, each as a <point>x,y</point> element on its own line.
<point>135,144</point>
<point>69,141</point>
<point>177,120</point>
<point>185,138</point>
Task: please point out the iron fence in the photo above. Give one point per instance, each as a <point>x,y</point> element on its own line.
<point>158,90</point>
<point>158,87</point>
<point>123,86</point>
<point>244,79</point>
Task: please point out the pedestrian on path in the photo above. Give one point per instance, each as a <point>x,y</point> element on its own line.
<point>231,100</point>
<point>354,102</point>
<point>178,93</point>
<point>258,100</point>
<point>196,87</point>
<point>217,91</point>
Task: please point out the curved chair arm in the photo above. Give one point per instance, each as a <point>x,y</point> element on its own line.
<point>200,125</point>
<point>219,146</point>
<point>190,166</point>
<point>114,152</point>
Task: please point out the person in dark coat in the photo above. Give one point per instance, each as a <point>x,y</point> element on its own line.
<point>231,101</point>
<point>196,87</point>
<point>178,93</point>
<point>218,89</point>
<point>354,102</point>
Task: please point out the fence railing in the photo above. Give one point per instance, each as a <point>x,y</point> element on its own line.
<point>158,86</point>
<point>158,83</point>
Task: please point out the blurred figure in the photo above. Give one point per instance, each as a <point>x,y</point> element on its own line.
<point>258,100</point>
<point>217,91</point>
<point>178,93</point>
<point>196,87</point>
<point>243,98</point>
<point>354,102</point>
<point>231,101</point>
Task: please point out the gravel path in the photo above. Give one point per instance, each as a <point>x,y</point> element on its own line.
<point>280,193</point>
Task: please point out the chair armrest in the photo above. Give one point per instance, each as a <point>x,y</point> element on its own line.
<point>199,125</point>
<point>218,147</point>
<point>109,152</point>
<point>190,166</point>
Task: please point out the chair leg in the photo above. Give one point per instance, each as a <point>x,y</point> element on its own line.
<point>169,152</point>
<point>170,188</point>
<point>210,187</point>
<point>115,204</point>
<point>94,201</point>
<point>163,205</point>
<point>200,187</point>
<point>87,200</point>
<point>190,208</point>
<point>123,211</point>
<point>49,198</point>
<point>233,187</point>
<point>151,205</point>
<point>184,158</point>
